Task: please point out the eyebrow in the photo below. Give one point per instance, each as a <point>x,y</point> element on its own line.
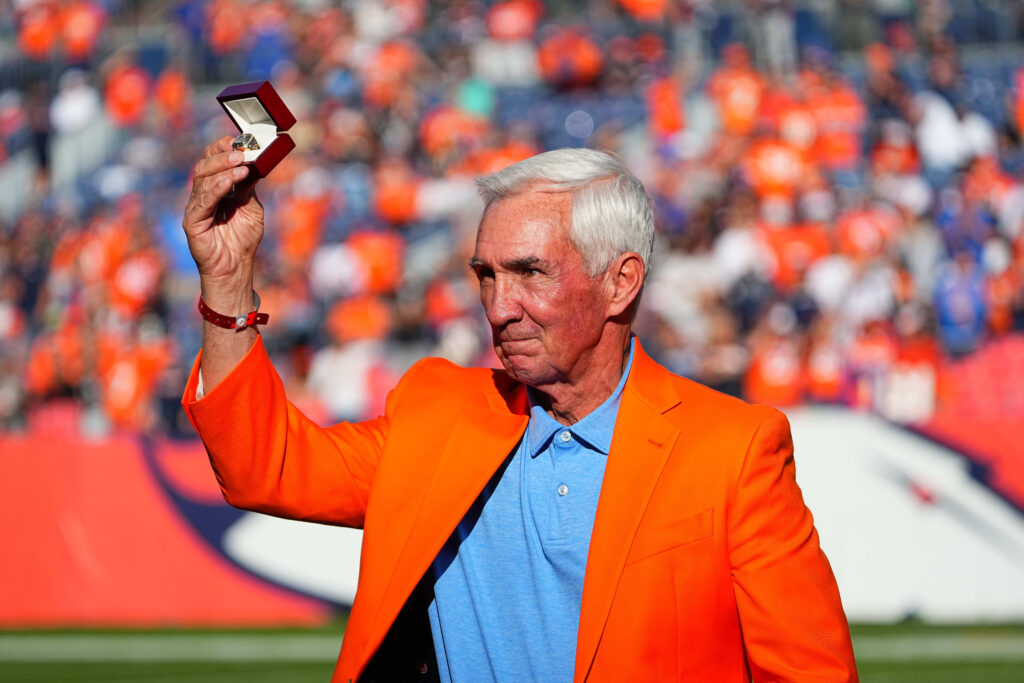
<point>523,263</point>
<point>520,263</point>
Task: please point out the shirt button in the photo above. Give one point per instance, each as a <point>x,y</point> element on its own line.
<point>562,489</point>
<point>565,436</point>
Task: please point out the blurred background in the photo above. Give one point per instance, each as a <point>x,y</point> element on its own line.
<point>839,201</point>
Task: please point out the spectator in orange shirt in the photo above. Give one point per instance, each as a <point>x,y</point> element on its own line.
<point>840,117</point>
<point>136,284</point>
<point>870,358</point>
<point>38,30</point>
<point>127,92</point>
<point>737,90</point>
<point>130,379</point>
<point>513,20</point>
<point>491,159</point>
<point>986,183</point>
<point>645,10</point>
<point>911,386</point>
<point>388,72</point>
<point>895,153</point>
<point>795,247</point>
<point>569,58</point>
<point>775,169</point>
<point>826,366</point>
<point>776,374</point>
<point>396,186</point>
<point>797,123</point>
<point>40,372</point>
<point>448,132</point>
<point>380,255</point>
<point>664,99</point>
<point>357,328</point>
<point>172,96</point>
<point>301,219</point>
<point>226,22</point>
<point>81,23</point>
<point>865,232</point>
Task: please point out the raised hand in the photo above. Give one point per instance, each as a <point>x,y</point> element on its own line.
<point>223,219</point>
<point>224,225</point>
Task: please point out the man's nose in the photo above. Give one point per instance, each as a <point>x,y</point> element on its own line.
<point>501,303</point>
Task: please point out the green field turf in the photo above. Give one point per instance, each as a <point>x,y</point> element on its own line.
<point>907,652</point>
<point>918,653</point>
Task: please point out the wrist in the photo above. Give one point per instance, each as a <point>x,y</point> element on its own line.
<point>232,295</point>
<point>232,321</point>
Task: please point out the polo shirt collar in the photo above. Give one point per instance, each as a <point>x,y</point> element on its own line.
<point>595,430</point>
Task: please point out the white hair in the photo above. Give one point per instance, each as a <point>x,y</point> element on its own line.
<point>611,213</point>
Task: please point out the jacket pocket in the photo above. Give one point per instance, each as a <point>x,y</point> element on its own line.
<point>661,537</point>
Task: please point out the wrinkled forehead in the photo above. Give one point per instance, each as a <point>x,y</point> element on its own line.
<point>533,223</point>
<point>536,206</point>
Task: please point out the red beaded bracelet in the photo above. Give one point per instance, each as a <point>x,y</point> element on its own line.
<point>234,322</point>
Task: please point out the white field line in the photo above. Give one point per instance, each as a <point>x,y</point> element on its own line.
<point>941,646</point>
<point>93,647</point>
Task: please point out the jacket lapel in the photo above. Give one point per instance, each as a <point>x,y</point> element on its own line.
<point>640,448</point>
<point>485,432</point>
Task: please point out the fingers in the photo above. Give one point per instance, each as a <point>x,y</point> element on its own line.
<point>218,146</point>
<point>209,190</point>
<point>240,191</point>
<point>246,187</point>
<point>215,163</point>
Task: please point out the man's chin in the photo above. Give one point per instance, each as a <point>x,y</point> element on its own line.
<point>514,365</point>
<point>523,369</point>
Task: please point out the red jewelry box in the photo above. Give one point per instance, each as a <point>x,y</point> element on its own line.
<point>257,108</point>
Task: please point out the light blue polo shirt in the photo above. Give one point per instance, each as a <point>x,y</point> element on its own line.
<point>509,582</point>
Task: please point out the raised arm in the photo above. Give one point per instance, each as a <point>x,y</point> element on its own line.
<point>224,225</point>
<point>266,454</point>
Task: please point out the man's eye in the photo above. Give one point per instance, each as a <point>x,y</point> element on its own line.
<point>484,274</point>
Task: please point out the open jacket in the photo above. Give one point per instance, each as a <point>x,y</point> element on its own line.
<point>704,563</point>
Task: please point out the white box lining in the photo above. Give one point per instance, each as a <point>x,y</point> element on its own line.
<point>251,117</point>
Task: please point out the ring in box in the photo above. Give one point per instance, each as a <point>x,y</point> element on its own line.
<point>261,118</point>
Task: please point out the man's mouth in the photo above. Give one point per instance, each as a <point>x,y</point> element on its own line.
<point>514,345</point>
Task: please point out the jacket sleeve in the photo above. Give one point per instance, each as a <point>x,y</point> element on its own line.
<point>268,457</point>
<point>793,624</point>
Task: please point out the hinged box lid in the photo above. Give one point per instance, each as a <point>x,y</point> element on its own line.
<point>256,108</point>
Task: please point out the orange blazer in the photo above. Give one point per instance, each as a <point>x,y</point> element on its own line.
<point>704,562</point>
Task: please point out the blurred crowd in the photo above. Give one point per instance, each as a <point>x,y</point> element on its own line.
<point>837,187</point>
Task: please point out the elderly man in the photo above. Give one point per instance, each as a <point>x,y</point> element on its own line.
<point>581,515</point>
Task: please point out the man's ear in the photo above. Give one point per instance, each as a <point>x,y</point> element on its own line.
<point>625,279</point>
